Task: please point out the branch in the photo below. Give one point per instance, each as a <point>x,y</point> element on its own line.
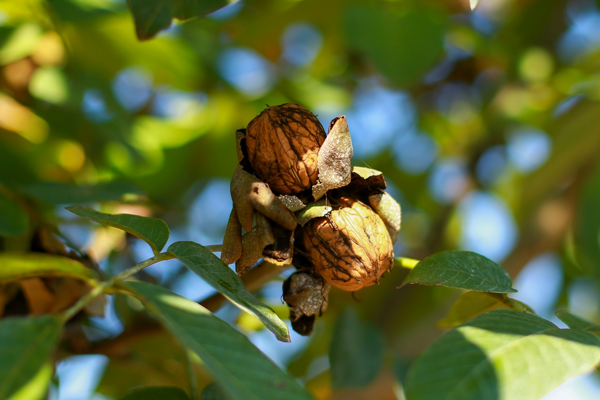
<point>120,345</point>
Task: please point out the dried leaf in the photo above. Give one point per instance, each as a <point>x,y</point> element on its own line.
<point>232,242</point>
<point>334,159</point>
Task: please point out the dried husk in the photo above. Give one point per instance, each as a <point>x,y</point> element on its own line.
<point>306,294</point>
<point>232,241</point>
<point>253,243</point>
<point>389,211</point>
<point>282,144</point>
<point>351,247</point>
<point>249,194</point>
<point>335,169</point>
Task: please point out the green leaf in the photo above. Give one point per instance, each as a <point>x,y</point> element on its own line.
<point>152,16</point>
<point>26,345</point>
<point>214,271</point>
<point>17,266</point>
<point>14,221</point>
<point>153,231</point>
<point>471,304</point>
<point>387,39</point>
<point>62,193</point>
<point>501,355</point>
<point>587,225</point>
<point>356,352</point>
<point>240,369</point>
<point>575,322</point>
<point>461,270</point>
<point>157,393</point>
<point>212,392</point>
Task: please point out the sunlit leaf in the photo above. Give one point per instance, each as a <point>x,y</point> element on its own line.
<point>157,393</point>
<point>26,345</point>
<point>575,322</point>
<point>152,16</point>
<point>62,193</point>
<point>473,4</point>
<point>241,370</point>
<point>388,40</point>
<point>471,304</point>
<point>14,267</point>
<point>83,11</point>
<point>356,352</point>
<point>501,355</point>
<point>19,42</point>
<point>462,270</point>
<point>153,231</point>
<point>14,220</point>
<point>214,271</point>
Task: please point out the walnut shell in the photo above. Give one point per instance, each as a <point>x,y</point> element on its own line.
<point>283,144</point>
<point>350,247</point>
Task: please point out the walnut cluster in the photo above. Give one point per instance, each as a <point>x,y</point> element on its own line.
<point>298,200</point>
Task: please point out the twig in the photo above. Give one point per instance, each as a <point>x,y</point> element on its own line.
<point>118,346</point>
<point>102,287</point>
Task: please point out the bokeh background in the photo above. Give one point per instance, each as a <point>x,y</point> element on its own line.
<point>485,123</point>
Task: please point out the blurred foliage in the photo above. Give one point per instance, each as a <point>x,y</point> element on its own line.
<point>485,124</point>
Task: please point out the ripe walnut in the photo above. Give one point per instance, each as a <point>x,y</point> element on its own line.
<point>350,247</point>
<point>282,144</point>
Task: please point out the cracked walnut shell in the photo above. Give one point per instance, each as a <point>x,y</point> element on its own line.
<point>283,143</point>
<point>350,247</point>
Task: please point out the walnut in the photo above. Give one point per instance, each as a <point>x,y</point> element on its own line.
<point>350,247</point>
<point>282,144</point>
